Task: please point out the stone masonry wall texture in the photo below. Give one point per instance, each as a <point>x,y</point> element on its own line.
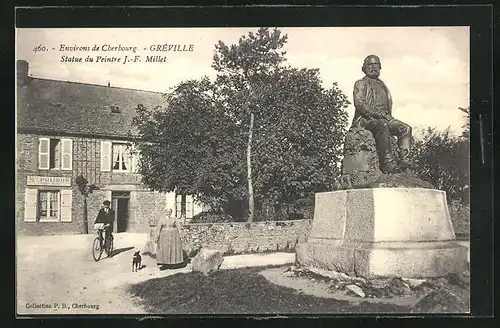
<point>144,205</point>
<point>238,237</point>
<point>27,164</point>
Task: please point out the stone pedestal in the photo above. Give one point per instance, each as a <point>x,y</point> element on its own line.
<point>405,232</point>
<point>360,163</point>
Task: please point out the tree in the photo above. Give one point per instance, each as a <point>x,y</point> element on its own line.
<point>300,136</point>
<point>191,145</point>
<point>243,69</point>
<point>466,127</point>
<point>289,117</point>
<point>85,190</point>
<point>443,160</point>
<point>260,132</point>
<point>465,152</point>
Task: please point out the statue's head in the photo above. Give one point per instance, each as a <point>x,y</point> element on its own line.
<point>169,211</point>
<point>372,66</point>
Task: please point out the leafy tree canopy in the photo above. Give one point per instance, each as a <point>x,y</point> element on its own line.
<point>197,142</point>
<point>443,160</point>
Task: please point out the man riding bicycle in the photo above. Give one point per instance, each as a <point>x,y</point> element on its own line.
<point>107,216</point>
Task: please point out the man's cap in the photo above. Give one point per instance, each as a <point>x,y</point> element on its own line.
<point>106,202</point>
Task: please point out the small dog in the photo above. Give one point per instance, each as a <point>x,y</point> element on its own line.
<point>136,261</point>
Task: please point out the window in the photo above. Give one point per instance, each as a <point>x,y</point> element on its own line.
<point>55,154</point>
<point>121,157</point>
<point>189,206</point>
<point>48,205</point>
<point>118,156</point>
<point>178,206</point>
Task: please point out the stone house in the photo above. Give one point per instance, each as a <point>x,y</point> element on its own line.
<point>66,129</point>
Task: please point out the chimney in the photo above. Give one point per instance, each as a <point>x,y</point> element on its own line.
<point>22,70</point>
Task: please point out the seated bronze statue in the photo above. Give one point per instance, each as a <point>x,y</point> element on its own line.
<point>373,104</point>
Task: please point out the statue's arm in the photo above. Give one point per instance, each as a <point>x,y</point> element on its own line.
<point>360,101</point>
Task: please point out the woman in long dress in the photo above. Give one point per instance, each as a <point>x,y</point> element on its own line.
<point>169,250</point>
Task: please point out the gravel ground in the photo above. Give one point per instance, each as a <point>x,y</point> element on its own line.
<point>65,279</point>
<point>60,270</point>
<point>57,275</point>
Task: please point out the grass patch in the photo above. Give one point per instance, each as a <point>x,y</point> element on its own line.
<point>239,291</point>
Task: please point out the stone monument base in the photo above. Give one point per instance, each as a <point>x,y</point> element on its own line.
<point>404,259</point>
<point>405,232</point>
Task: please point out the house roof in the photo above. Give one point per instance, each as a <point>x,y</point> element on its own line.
<point>76,108</point>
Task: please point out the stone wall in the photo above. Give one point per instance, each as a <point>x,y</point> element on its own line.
<point>238,237</point>
<point>144,205</point>
<point>27,164</point>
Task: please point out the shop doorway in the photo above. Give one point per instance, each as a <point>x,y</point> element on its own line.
<point>121,205</point>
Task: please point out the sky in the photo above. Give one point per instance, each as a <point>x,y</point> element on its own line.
<point>425,68</point>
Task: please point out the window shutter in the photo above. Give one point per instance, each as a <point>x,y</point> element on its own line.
<point>66,205</point>
<point>135,159</point>
<point>43,153</point>
<point>67,154</point>
<point>105,156</point>
<point>30,205</point>
<point>127,156</point>
<point>178,206</point>
<point>189,206</point>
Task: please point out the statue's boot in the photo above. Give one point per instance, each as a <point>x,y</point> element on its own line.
<point>404,144</point>
<point>386,160</point>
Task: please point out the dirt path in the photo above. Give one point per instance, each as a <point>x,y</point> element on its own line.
<point>68,276</point>
<point>60,270</point>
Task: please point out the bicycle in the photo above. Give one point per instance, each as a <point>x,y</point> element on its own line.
<point>101,244</point>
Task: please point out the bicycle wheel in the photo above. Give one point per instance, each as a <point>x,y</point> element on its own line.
<point>97,249</point>
<point>109,249</point>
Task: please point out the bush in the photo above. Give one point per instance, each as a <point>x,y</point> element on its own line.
<point>296,216</point>
<point>221,217</point>
<point>442,159</point>
<point>300,210</point>
<point>460,217</point>
<point>211,217</point>
<point>259,217</point>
